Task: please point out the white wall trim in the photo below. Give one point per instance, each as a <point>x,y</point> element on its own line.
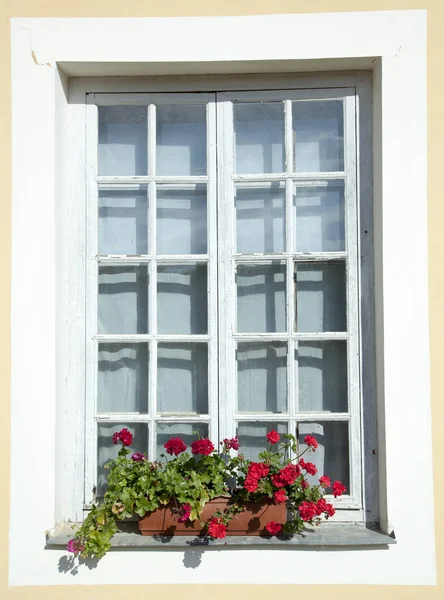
<point>45,178</point>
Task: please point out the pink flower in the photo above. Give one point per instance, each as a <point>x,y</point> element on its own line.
<point>75,546</point>
<point>137,456</point>
<point>124,436</point>
<point>311,441</point>
<point>232,443</point>
<point>175,446</point>
<point>273,437</point>
<point>338,489</point>
<point>186,511</point>
<point>324,481</point>
<point>273,527</point>
<point>204,447</point>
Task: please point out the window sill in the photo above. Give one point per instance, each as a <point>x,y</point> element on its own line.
<point>324,536</point>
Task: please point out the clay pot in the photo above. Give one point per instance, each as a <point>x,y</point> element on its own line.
<point>251,521</point>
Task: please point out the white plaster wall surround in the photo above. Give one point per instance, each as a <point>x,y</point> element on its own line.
<point>46,174</point>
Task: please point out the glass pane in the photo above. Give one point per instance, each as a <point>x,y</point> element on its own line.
<point>182,378</point>
<point>181,140</point>
<point>182,299</point>
<point>122,379</point>
<point>332,455</point>
<point>262,377</point>
<point>321,297</point>
<point>123,299</point>
<point>259,134</point>
<point>320,223</point>
<point>252,437</point>
<point>318,129</point>
<point>122,140</point>
<point>107,451</point>
<point>185,431</point>
<point>182,221</point>
<point>260,219</point>
<point>322,376</point>
<point>261,298</point>
<point>123,222</point>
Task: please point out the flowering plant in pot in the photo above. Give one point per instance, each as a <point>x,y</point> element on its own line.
<point>206,492</point>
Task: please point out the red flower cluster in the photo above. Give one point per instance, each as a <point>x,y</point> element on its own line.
<point>175,446</point>
<point>338,489</point>
<point>286,476</point>
<point>124,435</point>
<point>280,497</point>
<point>232,443</point>
<point>255,472</point>
<point>307,510</point>
<point>204,447</point>
<point>311,441</point>
<point>273,527</point>
<point>273,437</point>
<point>325,481</point>
<point>308,466</point>
<point>216,529</point>
<point>186,511</point>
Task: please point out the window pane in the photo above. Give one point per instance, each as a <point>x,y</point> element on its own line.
<point>260,219</point>
<point>181,140</point>
<point>123,299</point>
<point>182,299</point>
<point>165,431</point>
<point>252,437</point>
<point>318,129</point>
<point>259,134</point>
<point>107,451</point>
<point>320,223</point>
<point>122,140</point>
<point>123,222</point>
<point>122,380</point>
<point>262,377</point>
<point>182,221</point>
<point>321,297</point>
<point>332,455</point>
<point>322,376</point>
<point>261,298</point>
<point>182,378</point>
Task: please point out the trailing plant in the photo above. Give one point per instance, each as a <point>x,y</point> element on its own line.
<point>186,482</point>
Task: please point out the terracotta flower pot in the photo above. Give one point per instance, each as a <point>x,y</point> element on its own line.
<point>251,521</point>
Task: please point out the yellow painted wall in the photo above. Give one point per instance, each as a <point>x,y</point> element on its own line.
<point>151,8</point>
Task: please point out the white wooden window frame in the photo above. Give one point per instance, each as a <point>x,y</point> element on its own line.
<point>44,152</point>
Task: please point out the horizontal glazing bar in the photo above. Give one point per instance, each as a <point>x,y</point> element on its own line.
<point>315,416</point>
<point>144,418</point>
<point>318,337</point>
<point>148,337</point>
<point>298,256</point>
<point>318,177</point>
<point>105,180</point>
<point>144,258</point>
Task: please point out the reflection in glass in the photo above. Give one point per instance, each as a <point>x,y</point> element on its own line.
<point>261,298</point>
<point>332,455</point>
<point>107,451</point>
<point>322,376</point>
<point>182,378</point>
<point>182,299</point>
<point>123,299</point>
<point>123,222</point>
<point>259,135</point>
<point>181,140</point>
<point>318,127</point>
<point>182,221</point>
<point>252,437</point>
<point>260,219</point>
<point>320,222</point>
<point>122,140</point>
<point>321,297</point>
<point>188,432</point>
<point>262,377</point>
<point>122,378</point>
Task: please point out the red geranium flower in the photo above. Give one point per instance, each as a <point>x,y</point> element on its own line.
<point>124,436</point>
<point>307,510</point>
<point>186,511</point>
<point>204,447</point>
<point>286,476</point>
<point>308,466</point>
<point>216,529</point>
<point>324,481</point>
<point>273,527</point>
<point>273,437</point>
<point>329,509</point>
<point>311,441</point>
<point>232,443</point>
<point>175,445</point>
<point>338,489</point>
<point>280,497</point>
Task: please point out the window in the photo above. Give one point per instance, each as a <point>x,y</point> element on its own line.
<point>222,277</point>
